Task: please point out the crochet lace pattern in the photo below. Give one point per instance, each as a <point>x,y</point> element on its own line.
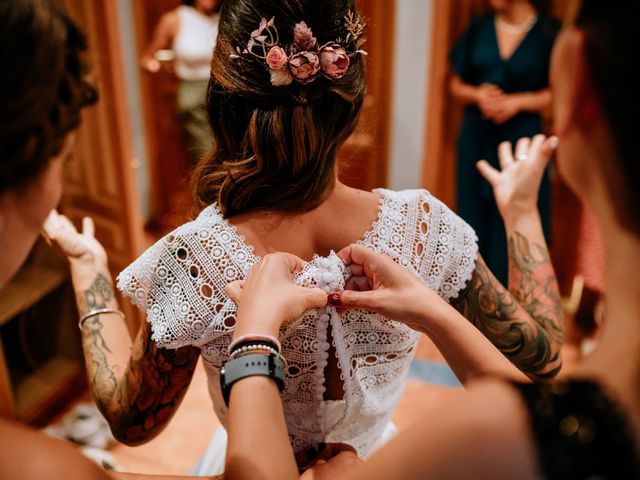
<point>179,283</point>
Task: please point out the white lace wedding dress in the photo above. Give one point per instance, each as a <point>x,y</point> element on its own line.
<point>179,283</point>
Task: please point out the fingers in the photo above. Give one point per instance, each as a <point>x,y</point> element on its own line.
<point>275,260</point>
<point>356,254</point>
<point>234,290</point>
<point>505,155</point>
<point>50,224</point>
<point>522,148</point>
<point>88,227</point>
<point>65,224</point>
<point>369,300</point>
<point>489,173</point>
<point>547,148</point>
<point>358,283</point>
<point>315,298</point>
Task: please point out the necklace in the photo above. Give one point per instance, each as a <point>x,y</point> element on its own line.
<point>511,29</point>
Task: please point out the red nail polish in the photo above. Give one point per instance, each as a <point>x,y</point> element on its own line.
<point>334,299</point>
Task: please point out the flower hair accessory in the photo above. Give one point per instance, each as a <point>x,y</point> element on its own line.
<point>304,60</point>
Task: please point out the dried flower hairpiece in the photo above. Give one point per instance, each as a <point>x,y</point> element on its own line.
<point>304,60</point>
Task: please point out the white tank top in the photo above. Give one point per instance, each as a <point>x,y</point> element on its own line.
<point>193,45</point>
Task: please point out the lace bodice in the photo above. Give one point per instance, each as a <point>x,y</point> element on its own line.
<point>179,283</point>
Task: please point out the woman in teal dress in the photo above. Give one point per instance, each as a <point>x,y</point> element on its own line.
<point>500,72</point>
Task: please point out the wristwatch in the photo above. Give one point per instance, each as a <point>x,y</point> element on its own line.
<point>271,366</point>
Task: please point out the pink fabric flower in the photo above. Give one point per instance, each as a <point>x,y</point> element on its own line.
<point>277,58</point>
<point>334,61</point>
<point>303,37</point>
<point>304,66</point>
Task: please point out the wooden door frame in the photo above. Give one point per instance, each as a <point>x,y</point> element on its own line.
<point>121,230</point>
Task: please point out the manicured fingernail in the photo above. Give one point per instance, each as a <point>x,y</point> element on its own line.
<point>553,142</point>
<point>334,299</point>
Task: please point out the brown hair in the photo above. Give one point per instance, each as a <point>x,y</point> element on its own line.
<point>275,146</point>
<point>43,88</point>
<point>611,38</point>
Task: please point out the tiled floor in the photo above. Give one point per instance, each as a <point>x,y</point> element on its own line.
<point>177,449</point>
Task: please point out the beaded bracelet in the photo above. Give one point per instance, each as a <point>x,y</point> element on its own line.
<point>255,339</point>
<point>254,348</point>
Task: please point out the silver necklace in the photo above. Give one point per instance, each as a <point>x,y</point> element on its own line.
<point>511,29</point>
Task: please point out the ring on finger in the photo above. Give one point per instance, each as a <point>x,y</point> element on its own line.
<point>523,157</point>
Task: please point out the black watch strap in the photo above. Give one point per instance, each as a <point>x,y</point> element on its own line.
<point>249,365</point>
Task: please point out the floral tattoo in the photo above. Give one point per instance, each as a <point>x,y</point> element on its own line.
<point>139,402</point>
<point>526,325</point>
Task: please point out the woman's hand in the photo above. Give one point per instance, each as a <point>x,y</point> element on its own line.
<point>504,109</point>
<point>381,285</point>
<point>79,248</point>
<point>516,186</point>
<point>268,298</point>
<point>488,98</point>
<point>333,462</point>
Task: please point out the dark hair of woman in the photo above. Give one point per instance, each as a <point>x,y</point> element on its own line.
<point>276,146</point>
<point>610,36</point>
<point>42,50</point>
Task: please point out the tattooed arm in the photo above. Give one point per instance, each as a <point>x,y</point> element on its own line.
<point>526,322</point>
<point>137,385</point>
<point>527,325</point>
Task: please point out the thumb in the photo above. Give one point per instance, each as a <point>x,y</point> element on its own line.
<point>234,290</point>
<point>315,298</point>
<point>490,174</point>
<point>369,300</point>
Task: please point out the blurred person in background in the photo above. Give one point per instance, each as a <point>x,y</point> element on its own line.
<point>500,72</point>
<point>187,36</point>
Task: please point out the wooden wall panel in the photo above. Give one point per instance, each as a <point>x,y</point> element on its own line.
<point>101,179</point>
<point>364,159</point>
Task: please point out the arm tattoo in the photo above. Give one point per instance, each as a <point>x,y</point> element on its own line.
<point>155,383</point>
<point>102,381</point>
<point>527,328</point>
<point>141,403</point>
<point>533,282</point>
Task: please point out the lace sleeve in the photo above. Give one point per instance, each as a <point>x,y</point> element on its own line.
<point>446,247</point>
<point>179,284</point>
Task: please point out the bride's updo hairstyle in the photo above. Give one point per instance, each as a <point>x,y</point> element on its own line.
<point>276,145</point>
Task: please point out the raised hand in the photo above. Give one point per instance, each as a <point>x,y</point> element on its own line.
<point>76,246</point>
<point>516,185</point>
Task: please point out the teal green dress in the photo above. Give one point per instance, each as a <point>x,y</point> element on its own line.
<point>475,58</point>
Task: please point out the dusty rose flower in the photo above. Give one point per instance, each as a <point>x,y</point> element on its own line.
<point>304,66</point>
<point>281,78</point>
<point>277,58</point>
<point>303,37</point>
<point>334,61</point>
